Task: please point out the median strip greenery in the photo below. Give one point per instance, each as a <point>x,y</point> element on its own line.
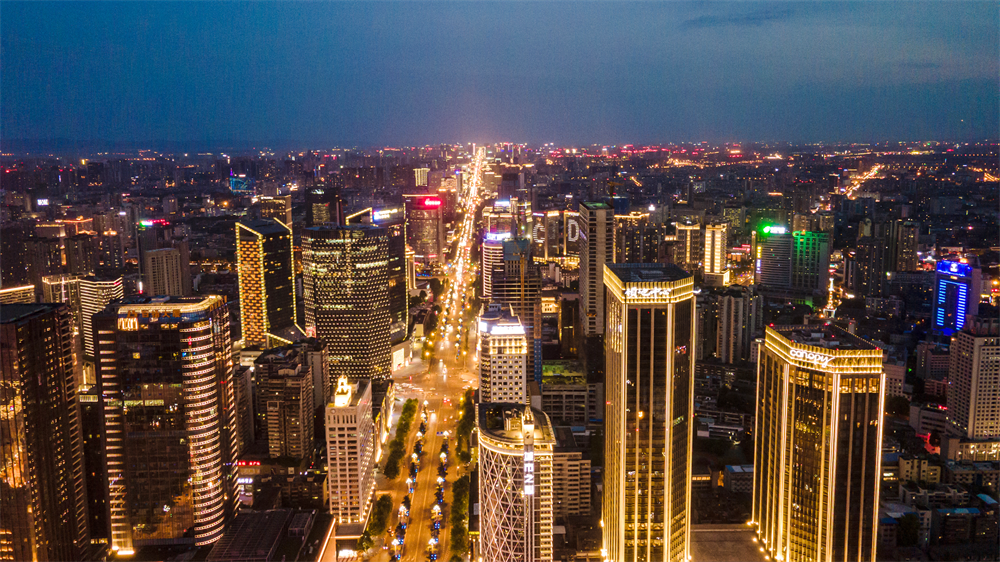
<point>397,447</point>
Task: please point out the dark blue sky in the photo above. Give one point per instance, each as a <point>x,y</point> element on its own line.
<point>568,72</point>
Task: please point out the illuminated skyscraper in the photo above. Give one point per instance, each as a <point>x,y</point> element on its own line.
<point>351,444</point>
<point>516,446</point>
<point>974,379</point>
<point>345,282</point>
<point>649,346</point>
<point>956,294</point>
<point>597,230</point>
<point>278,208</point>
<point>393,219</point>
<point>492,256</point>
<point>42,494</point>
<point>503,357</point>
<point>267,282</point>
<point>636,239</point>
<point>715,265</point>
<point>517,284</point>
<point>818,445</point>
<point>19,295</point>
<point>425,228</point>
<point>688,248</point>
<point>773,249</point>
<point>166,382</point>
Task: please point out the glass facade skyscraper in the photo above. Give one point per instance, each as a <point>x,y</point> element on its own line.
<point>818,444</point>
<point>649,339</point>
<point>267,282</point>
<point>165,374</point>
<point>345,281</point>
<point>43,504</point>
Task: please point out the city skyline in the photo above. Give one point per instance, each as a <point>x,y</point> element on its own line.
<point>210,75</point>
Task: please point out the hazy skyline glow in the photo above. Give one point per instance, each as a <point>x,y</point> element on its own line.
<point>415,73</point>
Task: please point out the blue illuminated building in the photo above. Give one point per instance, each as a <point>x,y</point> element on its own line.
<point>956,294</point>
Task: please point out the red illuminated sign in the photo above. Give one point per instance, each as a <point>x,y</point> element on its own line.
<point>432,202</point>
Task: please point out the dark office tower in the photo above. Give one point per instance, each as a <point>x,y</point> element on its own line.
<point>424,228</point>
<point>14,259</point>
<point>166,273</point>
<point>517,283</point>
<point>393,219</point>
<point>818,445</point>
<point>324,206</point>
<point>166,381</point>
<point>597,233</point>
<point>810,262</point>
<point>773,250</point>
<point>902,239</point>
<point>870,266</point>
<point>42,494</point>
<point>285,402</point>
<point>636,239</point>
<point>44,256</point>
<point>110,259</point>
<point>81,254</point>
<point>267,282</point>
<point>741,316</point>
<point>278,208</point>
<point>650,351</point>
<point>346,293</point>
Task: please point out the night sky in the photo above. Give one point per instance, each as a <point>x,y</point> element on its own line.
<point>317,74</point>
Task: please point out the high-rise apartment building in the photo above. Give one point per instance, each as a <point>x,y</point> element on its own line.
<point>165,376</point>
<point>503,357</point>
<point>266,269</point>
<point>597,232</point>
<point>818,443</point>
<point>902,237</point>
<point>974,376</point>
<point>351,442</point>
<point>24,294</point>
<point>688,247</point>
<point>517,285</point>
<point>649,341</point>
<point>285,402</point>
<point>773,250</point>
<point>345,288</point>
<point>715,265</point>
<point>870,266</point>
<point>81,253</point>
<point>637,239</point>
<point>492,256</point>
<point>425,228</point>
<point>515,483</point>
<point>162,273</point>
<point>957,286</point>
<point>740,316</point>
<point>278,207</point>
<point>43,498</point>
<point>420,176</point>
<point>86,296</point>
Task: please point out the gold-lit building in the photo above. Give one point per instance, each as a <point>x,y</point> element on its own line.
<point>165,385</point>
<point>267,282</point>
<point>818,444</point>
<point>649,347</point>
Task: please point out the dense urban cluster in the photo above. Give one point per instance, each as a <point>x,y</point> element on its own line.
<point>502,352</point>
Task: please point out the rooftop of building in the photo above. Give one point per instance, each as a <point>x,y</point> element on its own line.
<point>19,311</point>
<point>264,226</point>
<point>647,272</point>
<point>348,393</point>
<point>828,336</point>
<point>595,205</point>
<point>724,543</point>
<point>503,421</point>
